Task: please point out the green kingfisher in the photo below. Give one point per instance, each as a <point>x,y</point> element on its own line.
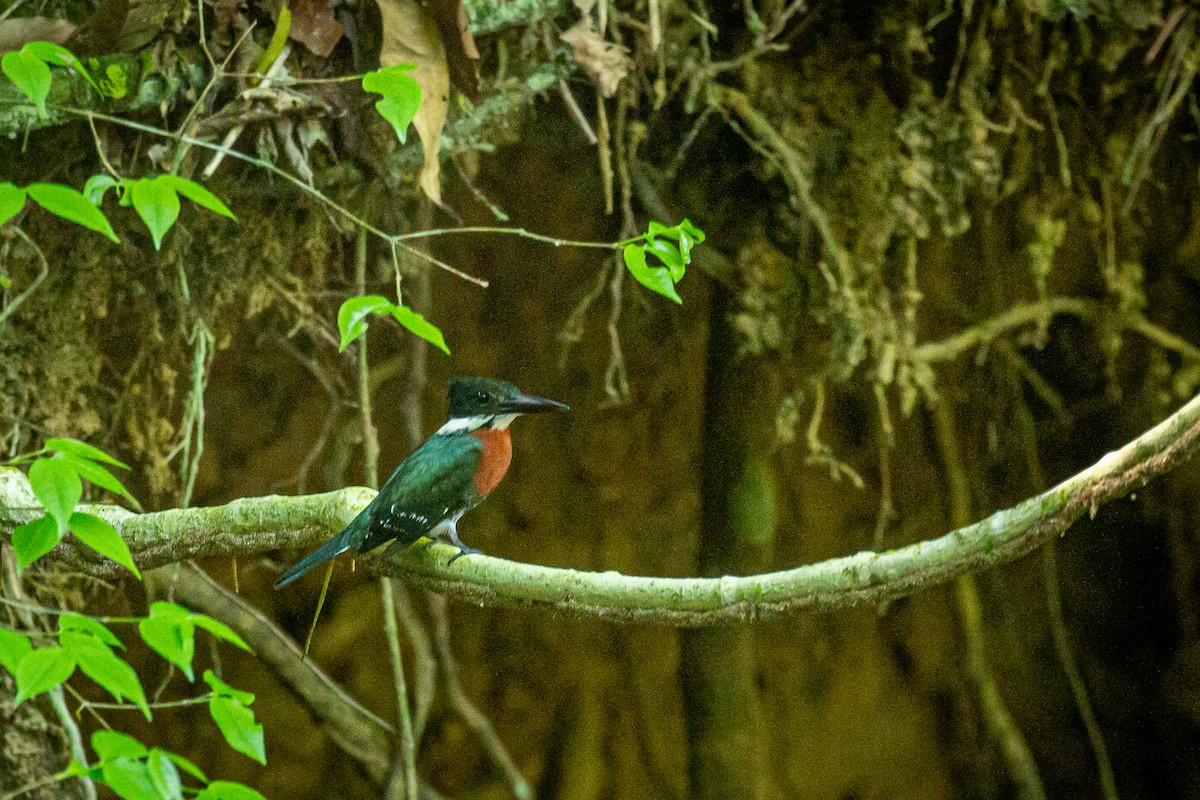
<point>444,478</point>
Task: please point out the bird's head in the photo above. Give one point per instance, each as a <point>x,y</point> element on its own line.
<point>476,402</point>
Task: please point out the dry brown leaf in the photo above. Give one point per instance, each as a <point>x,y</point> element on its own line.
<point>606,62</point>
<point>411,37</point>
<point>16,33</point>
<point>313,26</point>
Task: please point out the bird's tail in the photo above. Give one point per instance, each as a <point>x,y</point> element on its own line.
<point>350,537</point>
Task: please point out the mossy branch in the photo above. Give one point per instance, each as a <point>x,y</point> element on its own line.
<point>259,524</point>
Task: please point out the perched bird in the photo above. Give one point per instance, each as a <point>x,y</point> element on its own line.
<point>444,478</point>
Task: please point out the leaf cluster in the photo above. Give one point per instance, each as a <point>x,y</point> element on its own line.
<point>57,482</point>
<point>354,314</point>
<point>135,772</point>
<point>671,248</point>
<point>29,70</point>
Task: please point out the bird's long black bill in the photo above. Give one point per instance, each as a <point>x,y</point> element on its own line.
<point>528,404</point>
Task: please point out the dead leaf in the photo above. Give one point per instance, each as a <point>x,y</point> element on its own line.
<point>16,33</point>
<point>411,37</point>
<point>314,27</point>
<point>606,62</point>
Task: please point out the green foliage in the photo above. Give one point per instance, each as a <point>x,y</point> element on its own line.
<point>12,200</point>
<point>95,658</point>
<point>230,709</point>
<point>56,481</point>
<point>83,643</point>
<point>63,201</point>
<point>156,200</point>
<point>30,75</point>
<point>126,765</point>
<point>225,790</point>
<point>352,320</point>
<point>135,772</point>
<point>101,536</point>
<point>13,647</point>
<point>41,670</point>
<point>29,70</point>
<point>34,539</point>
<point>170,633</point>
<point>157,204</point>
<point>671,247</point>
<point>401,96</point>
<point>58,489</point>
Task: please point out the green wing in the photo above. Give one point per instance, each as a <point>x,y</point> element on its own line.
<point>428,487</point>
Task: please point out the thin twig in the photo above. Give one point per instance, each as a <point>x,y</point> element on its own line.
<point>474,719</point>
<point>43,272</point>
<point>404,773</point>
<point>1021,766</point>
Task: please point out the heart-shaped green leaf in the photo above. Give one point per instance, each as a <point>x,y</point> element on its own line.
<point>157,203</point>
<point>401,96</point>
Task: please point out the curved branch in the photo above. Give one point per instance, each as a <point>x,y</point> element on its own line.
<point>255,525</point>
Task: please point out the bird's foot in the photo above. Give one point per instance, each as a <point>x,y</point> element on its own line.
<point>463,550</point>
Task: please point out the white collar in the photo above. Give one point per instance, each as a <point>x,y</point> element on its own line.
<point>496,422</point>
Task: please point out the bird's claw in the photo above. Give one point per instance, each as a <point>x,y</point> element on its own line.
<point>463,550</point>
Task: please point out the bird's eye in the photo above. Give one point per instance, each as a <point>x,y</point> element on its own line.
<point>483,397</point>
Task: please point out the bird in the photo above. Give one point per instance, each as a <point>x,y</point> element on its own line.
<point>444,478</point>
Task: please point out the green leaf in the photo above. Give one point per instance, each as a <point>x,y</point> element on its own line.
<point>417,324</point>
<point>220,630</point>
<point>222,689</point>
<point>57,54</point>
<point>689,237</point>
<point>95,189</point>
<point>13,647</point>
<point>70,621</point>
<point>352,316</point>
<point>164,775</point>
<point>102,537</point>
<point>65,202</point>
<point>51,53</point>
<point>106,668</point>
<point>129,778</point>
<point>83,449</point>
<point>100,476</point>
<point>283,26</point>
<point>12,200</point>
<point>114,744</point>
<point>669,255</point>
<point>157,203</point>
<point>173,639</point>
<point>77,769</point>
<point>34,539</point>
<point>42,670</point>
<point>161,608</point>
<point>198,195</point>
<point>187,766</point>
<point>57,487</point>
<point>238,727</point>
<point>31,76</point>
<point>225,790</point>
<point>401,96</point>
<point>657,279</point>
